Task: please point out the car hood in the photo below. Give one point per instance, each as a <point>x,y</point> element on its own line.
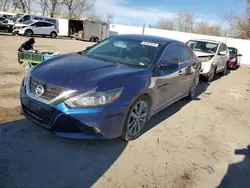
<point>199,54</point>
<point>78,72</point>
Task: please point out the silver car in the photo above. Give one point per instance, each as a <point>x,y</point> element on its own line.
<point>214,56</point>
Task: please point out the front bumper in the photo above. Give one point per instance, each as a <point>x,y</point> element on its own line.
<point>86,123</point>
<point>21,31</point>
<point>206,68</point>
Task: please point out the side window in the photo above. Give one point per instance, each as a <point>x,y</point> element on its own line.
<point>38,24</point>
<point>25,18</point>
<point>47,24</point>
<point>185,53</point>
<point>171,55</point>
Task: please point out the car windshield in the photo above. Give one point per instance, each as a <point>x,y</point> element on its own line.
<point>203,46</point>
<point>125,51</point>
<point>232,52</point>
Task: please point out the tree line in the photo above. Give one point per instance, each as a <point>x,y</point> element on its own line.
<point>75,8</point>
<point>185,21</point>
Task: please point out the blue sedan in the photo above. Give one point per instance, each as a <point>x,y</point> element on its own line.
<point>111,89</point>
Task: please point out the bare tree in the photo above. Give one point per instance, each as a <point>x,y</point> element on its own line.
<point>77,7</point>
<point>44,6</point>
<point>239,26</point>
<point>185,21</point>
<point>49,7</point>
<point>205,28</point>
<point>109,18</point>
<point>4,4</point>
<point>165,24</point>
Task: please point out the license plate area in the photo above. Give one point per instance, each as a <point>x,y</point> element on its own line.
<point>45,115</point>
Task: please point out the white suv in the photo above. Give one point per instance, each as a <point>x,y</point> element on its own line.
<point>42,28</point>
<point>214,56</point>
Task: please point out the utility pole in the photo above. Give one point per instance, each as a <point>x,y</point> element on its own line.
<point>143,29</point>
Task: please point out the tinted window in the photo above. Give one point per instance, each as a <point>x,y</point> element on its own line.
<point>127,51</point>
<point>232,52</point>
<point>47,24</point>
<point>171,55</point>
<point>185,53</point>
<point>38,24</point>
<point>25,18</point>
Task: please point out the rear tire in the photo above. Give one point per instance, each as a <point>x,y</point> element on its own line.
<point>210,78</point>
<point>92,39</point>
<point>96,39</point>
<point>136,119</point>
<point>53,35</point>
<point>28,33</point>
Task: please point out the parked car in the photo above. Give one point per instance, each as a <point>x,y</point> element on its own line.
<point>112,88</point>
<point>30,28</point>
<point>214,56</point>
<point>11,21</point>
<point>235,58</point>
<point>30,17</point>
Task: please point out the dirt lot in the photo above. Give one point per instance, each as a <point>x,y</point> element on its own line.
<point>189,144</point>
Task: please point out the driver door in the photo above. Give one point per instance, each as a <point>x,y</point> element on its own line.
<point>167,86</point>
<point>37,28</point>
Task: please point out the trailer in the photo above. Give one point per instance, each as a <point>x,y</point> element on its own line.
<point>93,31</point>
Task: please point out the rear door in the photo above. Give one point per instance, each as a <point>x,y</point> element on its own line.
<point>186,68</point>
<point>167,83</point>
<point>47,28</point>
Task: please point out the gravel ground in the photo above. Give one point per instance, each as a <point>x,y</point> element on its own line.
<point>189,144</point>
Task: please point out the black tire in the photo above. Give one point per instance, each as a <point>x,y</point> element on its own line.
<point>53,35</point>
<point>224,72</point>
<point>28,33</point>
<point>96,39</point>
<point>126,135</point>
<point>210,78</point>
<point>92,39</point>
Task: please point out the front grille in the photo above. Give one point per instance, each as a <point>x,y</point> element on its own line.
<point>50,91</point>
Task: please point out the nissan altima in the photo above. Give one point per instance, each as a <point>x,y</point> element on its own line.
<point>111,89</point>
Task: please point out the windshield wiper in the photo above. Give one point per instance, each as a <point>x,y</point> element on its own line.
<point>103,59</point>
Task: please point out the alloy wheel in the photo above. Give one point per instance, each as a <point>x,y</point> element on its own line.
<point>137,118</point>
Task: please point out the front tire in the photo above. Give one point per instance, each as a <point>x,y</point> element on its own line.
<point>136,119</point>
<point>210,78</point>
<point>28,33</point>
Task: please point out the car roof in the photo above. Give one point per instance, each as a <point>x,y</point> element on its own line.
<point>149,38</point>
<point>207,40</point>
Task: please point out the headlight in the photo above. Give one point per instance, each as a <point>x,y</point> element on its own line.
<point>93,98</point>
<point>204,59</point>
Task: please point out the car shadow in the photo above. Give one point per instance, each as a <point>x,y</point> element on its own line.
<point>238,174</point>
<point>174,108</point>
<point>34,157</point>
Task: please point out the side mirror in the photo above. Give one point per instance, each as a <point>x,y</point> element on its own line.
<point>240,55</point>
<point>168,65</point>
<point>222,53</point>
